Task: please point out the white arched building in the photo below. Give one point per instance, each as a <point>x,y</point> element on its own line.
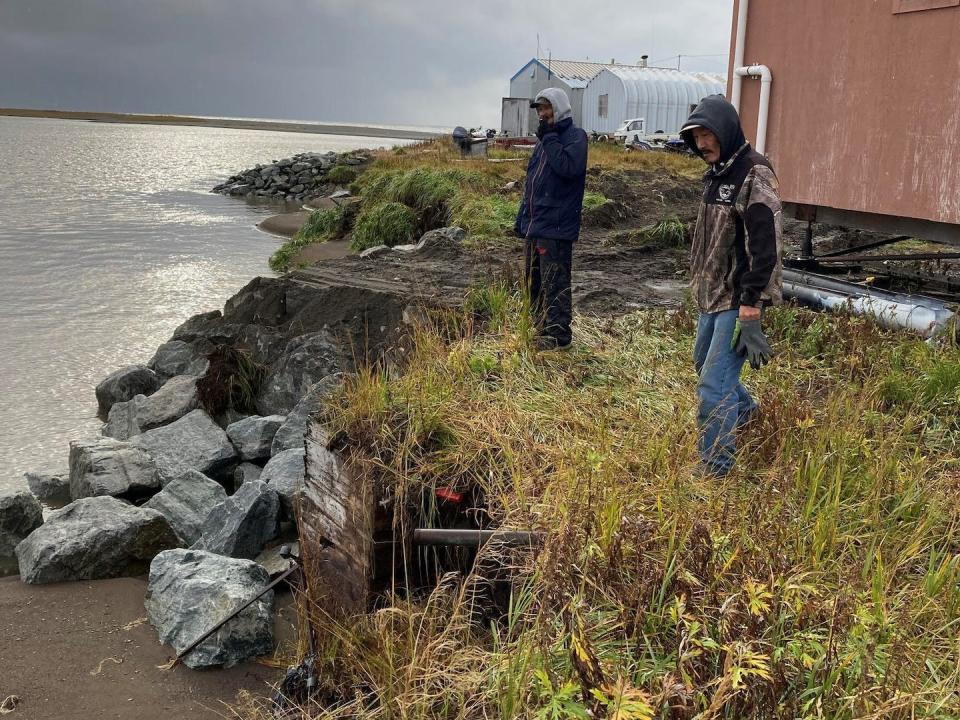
<point>662,97</point>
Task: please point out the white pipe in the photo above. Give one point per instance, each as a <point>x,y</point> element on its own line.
<point>738,50</point>
<point>891,314</point>
<point>766,80</point>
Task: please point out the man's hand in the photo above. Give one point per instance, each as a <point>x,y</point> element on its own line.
<point>544,128</point>
<point>748,313</point>
<point>748,340</point>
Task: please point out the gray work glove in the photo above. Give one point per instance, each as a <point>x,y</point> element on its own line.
<point>748,340</point>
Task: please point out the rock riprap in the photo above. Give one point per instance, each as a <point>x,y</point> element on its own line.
<point>177,397</point>
<point>189,591</point>
<point>300,177</point>
<point>125,384</point>
<point>243,524</point>
<point>305,361</point>
<point>194,442</point>
<point>186,502</point>
<point>180,358</point>
<point>284,473</point>
<point>20,515</point>
<point>49,487</point>
<point>111,467</point>
<point>253,436</point>
<point>97,537</point>
<point>290,435</point>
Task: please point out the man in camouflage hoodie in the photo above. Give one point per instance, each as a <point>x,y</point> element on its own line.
<point>735,271</point>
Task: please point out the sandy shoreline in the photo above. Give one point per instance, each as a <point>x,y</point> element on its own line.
<point>84,650</point>
<point>377,131</point>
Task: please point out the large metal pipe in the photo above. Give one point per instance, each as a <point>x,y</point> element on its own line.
<point>925,316</point>
<point>475,538</point>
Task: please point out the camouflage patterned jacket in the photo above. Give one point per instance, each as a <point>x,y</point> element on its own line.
<point>737,243</point>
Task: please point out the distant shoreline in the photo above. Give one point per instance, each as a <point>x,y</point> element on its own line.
<point>378,131</point>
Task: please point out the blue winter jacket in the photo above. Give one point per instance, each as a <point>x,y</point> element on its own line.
<point>553,193</point>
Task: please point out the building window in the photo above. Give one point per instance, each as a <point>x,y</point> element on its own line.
<point>905,6</point>
<point>603,106</point>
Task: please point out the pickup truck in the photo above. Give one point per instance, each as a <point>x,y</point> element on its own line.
<point>632,131</point>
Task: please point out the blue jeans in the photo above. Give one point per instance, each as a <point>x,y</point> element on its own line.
<point>725,403</point>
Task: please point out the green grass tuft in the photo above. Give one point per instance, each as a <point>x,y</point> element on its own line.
<point>389,223</point>
<point>342,174</point>
<point>322,225</point>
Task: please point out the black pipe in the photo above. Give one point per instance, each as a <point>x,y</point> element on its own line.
<point>476,538</point>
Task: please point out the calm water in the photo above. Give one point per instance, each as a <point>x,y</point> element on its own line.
<point>109,239</point>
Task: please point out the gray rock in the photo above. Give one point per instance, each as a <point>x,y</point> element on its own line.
<point>111,467</point>
<point>194,442</point>
<point>442,241</point>
<point>245,472</point>
<point>290,434</point>
<point>271,561</point>
<point>229,416</point>
<point>305,361</point>
<point>242,524</point>
<point>124,384</point>
<point>186,502</point>
<point>49,487</point>
<point>20,515</point>
<point>253,436</point>
<point>189,591</point>
<point>376,251</point>
<point>284,473</point>
<point>91,538</point>
<point>179,358</point>
<point>172,401</point>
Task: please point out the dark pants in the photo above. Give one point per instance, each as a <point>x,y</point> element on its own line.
<point>548,264</point>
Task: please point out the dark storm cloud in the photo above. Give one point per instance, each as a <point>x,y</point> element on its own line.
<point>426,63</point>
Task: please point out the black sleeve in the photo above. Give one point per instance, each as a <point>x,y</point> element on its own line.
<point>763,235</point>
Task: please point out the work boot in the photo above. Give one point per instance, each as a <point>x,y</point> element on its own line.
<point>548,343</point>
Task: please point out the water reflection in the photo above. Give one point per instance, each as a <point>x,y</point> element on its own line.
<point>109,239</point>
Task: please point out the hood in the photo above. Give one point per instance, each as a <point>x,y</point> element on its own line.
<point>718,116</point>
<point>559,100</point>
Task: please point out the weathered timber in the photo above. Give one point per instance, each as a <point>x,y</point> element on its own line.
<point>336,514</point>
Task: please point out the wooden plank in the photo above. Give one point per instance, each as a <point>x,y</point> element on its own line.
<point>336,535</point>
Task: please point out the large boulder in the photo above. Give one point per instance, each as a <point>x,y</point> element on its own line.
<point>189,591</point>
<point>186,502</point>
<point>305,361</point>
<point>180,358</point>
<point>290,434</point>
<point>111,467</point>
<point>125,384</point>
<point>176,398</point>
<point>194,442</point>
<point>253,436</point>
<point>284,473</point>
<point>49,487</point>
<point>242,524</point>
<point>246,472</point>
<point>20,515</point>
<point>92,538</point>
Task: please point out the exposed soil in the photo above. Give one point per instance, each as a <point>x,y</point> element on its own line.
<point>85,650</point>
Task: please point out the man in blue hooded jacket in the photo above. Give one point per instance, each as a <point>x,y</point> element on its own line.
<point>549,216</point>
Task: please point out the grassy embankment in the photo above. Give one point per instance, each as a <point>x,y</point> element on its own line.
<point>820,580</point>
<point>407,191</point>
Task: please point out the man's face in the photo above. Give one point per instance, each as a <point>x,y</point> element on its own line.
<point>707,144</point>
<point>545,111</point>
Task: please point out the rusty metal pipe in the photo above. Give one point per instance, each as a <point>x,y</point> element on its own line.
<point>476,538</point>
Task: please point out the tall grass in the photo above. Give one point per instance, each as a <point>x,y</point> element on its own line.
<point>819,580</point>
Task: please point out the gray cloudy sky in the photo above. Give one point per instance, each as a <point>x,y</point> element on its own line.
<point>428,62</point>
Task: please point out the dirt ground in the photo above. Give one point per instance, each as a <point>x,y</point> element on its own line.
<point>84,651</point>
